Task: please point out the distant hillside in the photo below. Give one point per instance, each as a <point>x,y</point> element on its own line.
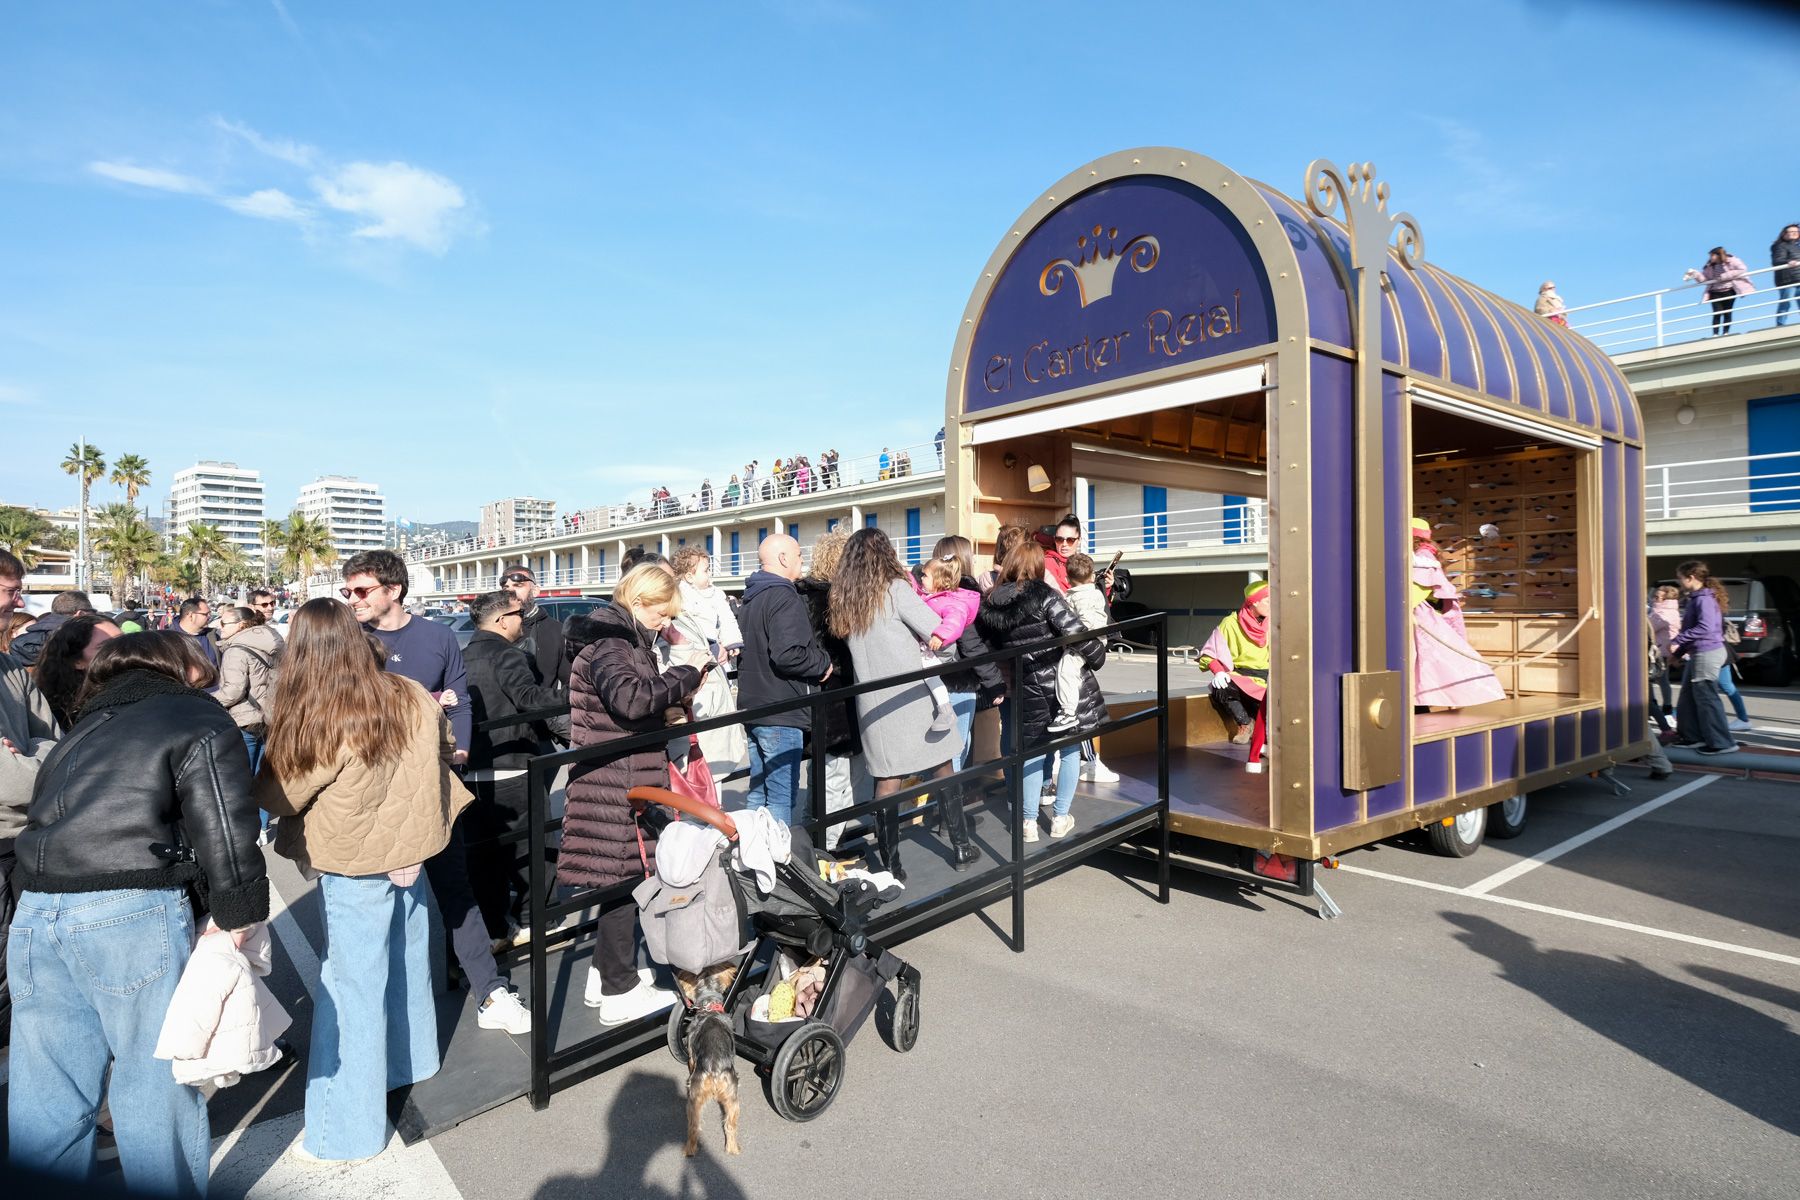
<point>450,529</point>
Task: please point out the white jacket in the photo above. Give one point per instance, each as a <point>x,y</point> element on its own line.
<point>708,611</point>
<point>223,1020</point>
<point>1089,606</point>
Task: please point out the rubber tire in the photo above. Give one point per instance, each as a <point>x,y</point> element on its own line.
<point>1499,826</point>
<point>906,1019</point>
<point>1446,840</point>
<point>679,1015</point>
<point>813,1053</point>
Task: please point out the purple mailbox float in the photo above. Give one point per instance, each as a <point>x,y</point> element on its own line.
<point>1297,365</point>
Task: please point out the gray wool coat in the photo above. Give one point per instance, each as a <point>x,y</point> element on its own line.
<point>896,722</point>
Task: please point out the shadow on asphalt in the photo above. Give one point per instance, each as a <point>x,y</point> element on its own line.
<point>1745,1058</point>
<point>649,1113</point>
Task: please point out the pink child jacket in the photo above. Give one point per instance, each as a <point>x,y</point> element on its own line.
<point>956,610</point>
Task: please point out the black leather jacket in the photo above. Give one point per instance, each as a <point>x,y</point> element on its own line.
<point>501,685</point>
<point>149,763</point>
<point>1019,613</point>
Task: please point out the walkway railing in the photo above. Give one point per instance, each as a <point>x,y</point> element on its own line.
<point>898,462</point>
<point>1721,487</point>
<point>1681,314</point>
<point>1243,521</point>
<point>554,1067</point>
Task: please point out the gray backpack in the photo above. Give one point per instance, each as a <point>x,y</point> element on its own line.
<point>695,927</point>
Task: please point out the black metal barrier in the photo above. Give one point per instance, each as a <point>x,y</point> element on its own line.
<point>553,1069</point>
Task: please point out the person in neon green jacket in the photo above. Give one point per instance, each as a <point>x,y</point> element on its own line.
<point>1237,657</point>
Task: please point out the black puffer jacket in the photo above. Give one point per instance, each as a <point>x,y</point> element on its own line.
<point>843,735</point>
<point>1015,614</point>
<point>149,762</point>
<point>615,690</point>
<point>501,685</point>
<point>1786,256</point>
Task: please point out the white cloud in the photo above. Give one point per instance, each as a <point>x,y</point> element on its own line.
<point>271,204</point>
<point>284,149</point>
<point>13,394</point>
<point>399,201</point>
<point>151,177</point>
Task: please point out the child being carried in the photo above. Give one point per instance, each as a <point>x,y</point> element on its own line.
<point>1090,610</point>
<point>940,585</point>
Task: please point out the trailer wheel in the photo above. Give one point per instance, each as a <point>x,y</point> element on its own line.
<point>807,1072</point>
<point>1507,818</point>
<point>1461,837</point>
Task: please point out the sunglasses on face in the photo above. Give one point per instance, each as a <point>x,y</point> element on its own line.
<point>516,579</point>
<point>1068,541</point>
<point>359,593</point>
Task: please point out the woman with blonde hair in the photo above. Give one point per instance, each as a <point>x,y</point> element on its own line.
<point>618,687</point>
<point>357,762</point>
<point>706,631</point>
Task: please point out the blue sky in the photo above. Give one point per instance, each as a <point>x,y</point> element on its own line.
<point>571,250</point>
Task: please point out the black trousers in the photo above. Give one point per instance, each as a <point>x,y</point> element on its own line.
<point>498,870</point>
<point>1721,306</point>
<point>448,871</point>
<point>615,949</point>
<point>1232,701</point>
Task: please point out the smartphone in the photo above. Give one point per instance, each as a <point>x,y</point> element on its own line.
<point>1117,555</point>
<point>707,669</point>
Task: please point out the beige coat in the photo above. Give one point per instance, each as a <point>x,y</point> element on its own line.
<point>357,819</point>
<point>247,667</point>
<point>223,1020</point>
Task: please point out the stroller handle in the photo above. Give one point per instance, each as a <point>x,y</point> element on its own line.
<point>640,797</point>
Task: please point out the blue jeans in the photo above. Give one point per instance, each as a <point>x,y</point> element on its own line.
<point>1728,689</point>
<point>1068,767</point>
<point>1789,298</point>
<point>963,703</point>
<point>92,974</point>
<point>253,746</point>
<point>775,753</point>
<point>375,1023</point>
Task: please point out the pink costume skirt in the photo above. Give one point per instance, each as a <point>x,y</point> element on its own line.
<point>1447,671</point>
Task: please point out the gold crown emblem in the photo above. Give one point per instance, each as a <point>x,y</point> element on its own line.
<point>1098,255</point>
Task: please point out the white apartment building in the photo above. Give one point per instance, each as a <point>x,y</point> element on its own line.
<point>223,495</point>
<point>354,512</point>
<point>518,519</point>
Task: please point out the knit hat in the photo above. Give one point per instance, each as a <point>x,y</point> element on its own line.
<point>1421,528</point>
<point>1256,591</point>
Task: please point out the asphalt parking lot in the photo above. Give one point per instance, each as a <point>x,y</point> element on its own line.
<point>1603,1007</point>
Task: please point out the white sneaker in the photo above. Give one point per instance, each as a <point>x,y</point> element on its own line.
<point>1062,826</point>
<point>1255,768</point>
<point>1061,723</point>
<point>1095,771</point>
<point>299,1153</point>
<point>640,1001</point>
<point>590,994</point>
<point>1031,834</point>
<point>504,1010</point>
<point>1739,725</point>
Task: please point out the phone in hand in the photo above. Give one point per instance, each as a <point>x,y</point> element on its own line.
<point>1117,555</point>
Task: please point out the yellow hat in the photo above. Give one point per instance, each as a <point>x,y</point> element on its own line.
<point>1421,528</point>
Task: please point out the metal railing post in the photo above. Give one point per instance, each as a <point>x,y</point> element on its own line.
<point>1162,757</point>
<point>1659,319</point>
<point>1015,796</point>
<point>540,958</point>
<point>1665,492</point>
<point>815,828</point>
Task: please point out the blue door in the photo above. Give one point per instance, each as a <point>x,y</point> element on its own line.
<point>1775,429</point>
<point>794,530</point>
<point>870,521</point>
<point>736,569</point>
<point>1156,518</point>
<point>831,524</point>
<point>600,564</point>
<point>1234,520</point>
<point>912,535</point>
<point>709,549</point>
<point>1092,537</point>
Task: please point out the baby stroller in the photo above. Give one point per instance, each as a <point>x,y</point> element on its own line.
<point>725,920</point>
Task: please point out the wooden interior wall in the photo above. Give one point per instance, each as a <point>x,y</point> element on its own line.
<point>1532,496</point>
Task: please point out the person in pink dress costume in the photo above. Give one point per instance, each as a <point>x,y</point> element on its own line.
<point>1447,671</point>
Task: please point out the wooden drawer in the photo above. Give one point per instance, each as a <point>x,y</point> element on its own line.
<point>1538,634</point>
<point>1558,676</point>
<point>1549,474</point>
<point>1490,635</point>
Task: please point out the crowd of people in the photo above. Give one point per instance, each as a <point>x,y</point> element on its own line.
<point>140,769</point>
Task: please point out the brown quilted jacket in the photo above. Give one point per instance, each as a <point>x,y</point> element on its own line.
<point>615,690</point>
<point>357,819</point>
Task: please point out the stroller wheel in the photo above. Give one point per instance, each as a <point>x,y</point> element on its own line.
<point>681,1017</point>
<point>906,1018</point>
<point>807,1072</point>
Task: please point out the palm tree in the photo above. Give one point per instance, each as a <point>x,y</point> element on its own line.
<point>274,539</point>
<point>203,545</point>
<point>307,543</point>
<point>131,472</point>
<point>20,531</point>
<point>128,543</point>
<point>88,464</point>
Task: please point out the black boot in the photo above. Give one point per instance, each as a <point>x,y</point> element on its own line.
<point>963,855</point>
<point>890,844</point>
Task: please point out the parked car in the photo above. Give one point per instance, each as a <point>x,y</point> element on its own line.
<point>1766,610</point>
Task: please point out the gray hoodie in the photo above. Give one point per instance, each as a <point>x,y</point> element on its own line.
<point>26,722</point>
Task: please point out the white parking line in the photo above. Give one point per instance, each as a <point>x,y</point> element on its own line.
<point>1502,877</point>
<point>1589,918</point>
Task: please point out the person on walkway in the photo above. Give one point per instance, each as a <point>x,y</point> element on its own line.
<point>1090,609</point>
<point>263,601</point>
<point>882,620</point>
<point>938,441</point>
<point>29,643</point>
<point>1784,256</point>
<point>782,660</point>
<point>63,663</point>
<point>618,689</point>
<point>884,465</point>
<point>426,652</point>
<point>1236,660</point>
<point>973,688</point>
<point>837,720</point>
<point>1726,278</point>
<point>1549,305</point>
<point>706,495</point>
<point>1739,721</point>
<point>249,654</point>
<point>28,732</point>
<point>707,631</point>
<point>146,800</point>
<point>195,620</point>
<point>1023,609</point>
<point>1447,671</point>
<point>1665,620</point>
<point>503,683</point>
<point>1058,545</point>
<point>11,626</point>
<point>358,768</point>
<point>1700,717</point>
<point>732,493</point>
<point>542,636</point>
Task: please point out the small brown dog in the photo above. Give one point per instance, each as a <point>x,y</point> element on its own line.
<point>712,1053</point>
